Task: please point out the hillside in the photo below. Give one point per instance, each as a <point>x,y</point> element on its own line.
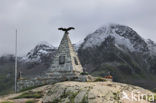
<point>81,92</point>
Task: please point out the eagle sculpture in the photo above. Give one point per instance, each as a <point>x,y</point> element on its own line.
<point>66,29</point>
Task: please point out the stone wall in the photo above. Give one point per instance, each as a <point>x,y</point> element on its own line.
<point>30,83</point>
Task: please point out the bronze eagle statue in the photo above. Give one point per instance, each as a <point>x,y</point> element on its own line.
<point>66,29</point>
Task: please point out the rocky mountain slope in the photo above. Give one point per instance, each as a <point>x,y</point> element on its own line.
<point>120,51</point>
<point>41,52</point>
<point>123,36</point>
<point>83,92</point>
<point>37,60</point>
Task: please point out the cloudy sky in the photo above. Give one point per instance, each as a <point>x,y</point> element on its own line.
<point>38,20</point>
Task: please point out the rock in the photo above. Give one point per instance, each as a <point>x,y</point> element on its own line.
<point>92,92</point>
<point>86,92</point>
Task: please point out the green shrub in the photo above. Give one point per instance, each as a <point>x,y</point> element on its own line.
<point>30,94</point>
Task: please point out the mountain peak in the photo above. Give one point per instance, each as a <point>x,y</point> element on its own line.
<point>123,35</point>
<point>109,27</point>
<point>45,45</point>
<point>41,49</point>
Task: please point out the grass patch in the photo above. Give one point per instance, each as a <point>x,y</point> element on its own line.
<point>72,97</point>
<point>69,94</point>
<point>31,101</point>
<point>85,99</point>
<point>116,96</point>
<point>30,94</point>
<point>99,79</point>
<point>55,101</point>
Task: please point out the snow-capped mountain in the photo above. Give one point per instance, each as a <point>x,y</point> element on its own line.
<point>114,49</point>
<point>124,37</point>
<point>40,51</point>
<point>121,51</point>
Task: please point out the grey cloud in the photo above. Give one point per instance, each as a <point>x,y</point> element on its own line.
<point>38,20</point>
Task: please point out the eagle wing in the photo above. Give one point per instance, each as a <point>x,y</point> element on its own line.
<point>70,28</point>
<point>66,29</point>
<point>63,29</point>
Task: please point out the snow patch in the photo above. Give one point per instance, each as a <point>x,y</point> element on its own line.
<point>43,48</point>
<point>152,46</point>
<point>99,36</point>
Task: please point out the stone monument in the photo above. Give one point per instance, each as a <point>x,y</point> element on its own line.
<point>66,62</point>
<point>65,66</point>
